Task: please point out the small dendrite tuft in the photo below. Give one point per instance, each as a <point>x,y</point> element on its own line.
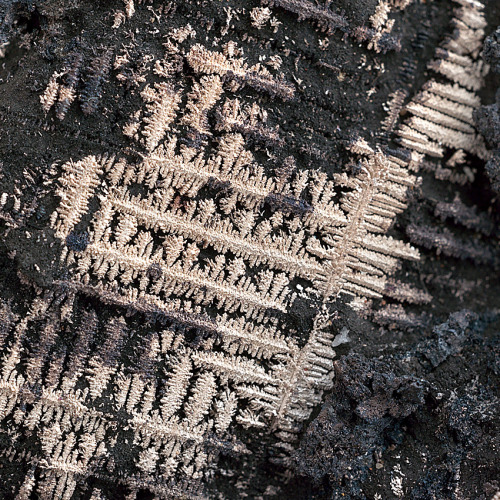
<point>326,19</point>
<point>260,16</point>
<point>67,91</point>
<point>92,91</point>
<point>445,242</point>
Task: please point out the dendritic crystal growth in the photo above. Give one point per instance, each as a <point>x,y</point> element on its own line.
<point>211,203</point>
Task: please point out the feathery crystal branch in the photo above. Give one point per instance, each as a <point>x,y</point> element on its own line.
<point>206,61</point>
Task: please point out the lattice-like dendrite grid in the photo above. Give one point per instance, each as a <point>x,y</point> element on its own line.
<point>199,255</point>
